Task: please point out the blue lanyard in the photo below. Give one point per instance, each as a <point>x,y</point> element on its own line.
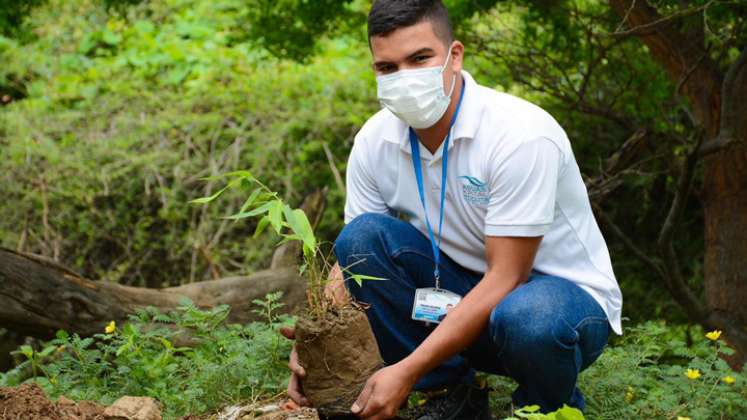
<point>419,177</point>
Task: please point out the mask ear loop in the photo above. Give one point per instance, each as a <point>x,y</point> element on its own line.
<point>453,79</point>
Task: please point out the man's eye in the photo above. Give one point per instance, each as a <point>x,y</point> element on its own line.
<point>421,58</point>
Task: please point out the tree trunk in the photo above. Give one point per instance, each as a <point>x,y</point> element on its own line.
<point>39,297</point>
<point>719,109</point>
<point>726,234</point>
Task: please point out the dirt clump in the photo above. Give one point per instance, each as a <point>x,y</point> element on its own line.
<point>134,408</point>
<point>339,353</point>
<point>28,402</point>
<point>82,410</point>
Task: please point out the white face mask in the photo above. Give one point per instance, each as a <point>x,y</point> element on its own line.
<point>416,96</point>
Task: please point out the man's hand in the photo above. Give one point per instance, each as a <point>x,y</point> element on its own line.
<point>383,394</point>
<point>335,288</point>
<point>295,390</point>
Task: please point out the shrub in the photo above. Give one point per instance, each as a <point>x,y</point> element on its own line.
<point>654,373</point>
<point>644,375</point>
<point>226,364</point>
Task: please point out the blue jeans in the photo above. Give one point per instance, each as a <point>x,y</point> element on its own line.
<point>542,334</point>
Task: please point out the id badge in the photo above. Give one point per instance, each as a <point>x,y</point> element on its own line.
<point>432,305</point>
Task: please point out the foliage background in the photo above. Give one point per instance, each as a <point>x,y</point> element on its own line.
<point>112,111</point>
<point>122,114</point>
<point>113,114</point>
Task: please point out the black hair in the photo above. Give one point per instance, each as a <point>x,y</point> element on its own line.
<point>388,15</point>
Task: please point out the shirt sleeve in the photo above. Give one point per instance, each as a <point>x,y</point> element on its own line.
<point>362,193</point>
<point>523,187</point>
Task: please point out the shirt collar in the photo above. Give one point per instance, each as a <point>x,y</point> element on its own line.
<point>465,126</point>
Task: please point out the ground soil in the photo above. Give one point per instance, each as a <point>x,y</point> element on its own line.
<point>28,402</point>
<point>339,353</point>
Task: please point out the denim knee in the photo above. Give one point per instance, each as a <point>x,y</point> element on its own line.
<point>360,235</point>
<point>527,329</point>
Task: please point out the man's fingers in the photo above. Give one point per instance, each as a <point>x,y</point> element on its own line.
<point>294,366</point>
<point>373,409</point>
<point>360,404</point>
<point>294,392</point>
<point>288,332</point>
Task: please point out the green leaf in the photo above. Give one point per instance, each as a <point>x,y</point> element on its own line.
<point>263,222</point>
<point>299,224</point>
<point>359,278</point>
<point>123,348</point>
<point>288,238</point>
<point>259,210</point>
<point>276,215</point>
<point>111,38</point>
<point>569,413</point>
<point>205,200</point>
<point>27,351</point>
<point>166,343</point>
<point>47,351</point>
<point>240,174</point>
<point>249,201</point>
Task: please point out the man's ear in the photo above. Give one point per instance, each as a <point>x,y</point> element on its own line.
<point>457,56</point>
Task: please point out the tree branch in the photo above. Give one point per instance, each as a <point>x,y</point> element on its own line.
<point>722,141</point>
<point>607,181</point>
<point>679,53</point>
<point>734,88</point>
<point>673,273</point>
<point>650,27</point>
<point>653,264</point>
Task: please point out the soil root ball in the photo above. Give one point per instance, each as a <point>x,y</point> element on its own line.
<point>339,353</point>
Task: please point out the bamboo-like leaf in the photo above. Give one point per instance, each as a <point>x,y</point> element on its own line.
<point>205,200</point>
<point>359,278</point>
<point>299,224</point>
<point>239,174</point>
<point>276,215</point>
<point>255,212</point>
<point>288,238</point>
<point>249,201</point>
<point>261,225</point>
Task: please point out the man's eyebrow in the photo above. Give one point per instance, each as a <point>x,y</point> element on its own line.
<point>421,51</point>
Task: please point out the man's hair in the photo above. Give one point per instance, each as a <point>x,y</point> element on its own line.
<point>388,15</point>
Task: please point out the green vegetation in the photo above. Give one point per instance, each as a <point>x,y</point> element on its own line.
<point>291,225</point>
<point>652,373</point>
<point>122,116</point>
<point>657,371</point>
<point>223,364</point>
<point>113,112</point>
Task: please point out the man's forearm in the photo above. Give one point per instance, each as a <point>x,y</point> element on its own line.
<point>462,326</point>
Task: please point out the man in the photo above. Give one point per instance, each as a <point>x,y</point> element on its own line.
<point>497,214</point>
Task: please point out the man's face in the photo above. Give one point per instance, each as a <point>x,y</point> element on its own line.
<point>415,47</point>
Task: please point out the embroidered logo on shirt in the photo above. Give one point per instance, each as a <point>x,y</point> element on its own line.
<point>474,190</point>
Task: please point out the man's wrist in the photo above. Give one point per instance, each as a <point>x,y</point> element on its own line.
<point>412,367</point>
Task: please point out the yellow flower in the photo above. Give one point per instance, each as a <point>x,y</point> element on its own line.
<point>629,395</point>
<point>714,335</point>
<point>683,418</point>
<point>728,379</point>
<point>692,374</point>
<point>111,327</point>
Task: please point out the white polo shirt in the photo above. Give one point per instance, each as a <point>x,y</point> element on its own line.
<point>511,172</point>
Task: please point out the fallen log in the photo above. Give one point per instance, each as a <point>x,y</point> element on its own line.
<point>38,296</point>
